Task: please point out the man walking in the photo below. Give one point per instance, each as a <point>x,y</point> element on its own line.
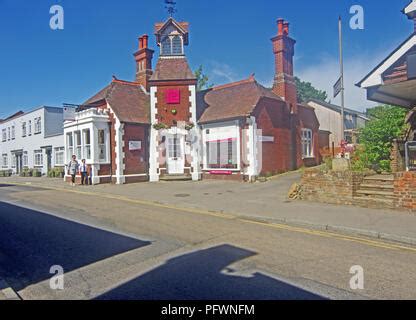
<point>83,169</point>
<point>73,169</point>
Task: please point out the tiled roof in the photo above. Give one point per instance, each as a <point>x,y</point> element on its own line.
<point>127,99</point>
<point>172,69</point>
<point>231,101</point>
<point>183,25</point>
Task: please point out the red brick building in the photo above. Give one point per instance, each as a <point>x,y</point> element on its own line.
<point>159,126</point>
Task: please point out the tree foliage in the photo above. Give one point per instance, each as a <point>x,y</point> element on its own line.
<point>386,123</point>
<point>203,79</point>
<point>307,91</point>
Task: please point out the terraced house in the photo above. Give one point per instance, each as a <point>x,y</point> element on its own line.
<point>32,140</point>
<point>159,127</point>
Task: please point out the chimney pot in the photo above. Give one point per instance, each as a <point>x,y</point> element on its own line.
<point>286,28</point>
<point>145,41</point>
<point>140,43</point>
<point>280,27</point>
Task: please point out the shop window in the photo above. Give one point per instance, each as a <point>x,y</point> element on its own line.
<point>222,154</point>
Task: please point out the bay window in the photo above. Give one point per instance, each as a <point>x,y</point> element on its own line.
<point>87,144</point>
<point>102,150</point>
<point>78,146</point>
<point>70,144</point>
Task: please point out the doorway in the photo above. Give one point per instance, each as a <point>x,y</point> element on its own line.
<point>175,154</point>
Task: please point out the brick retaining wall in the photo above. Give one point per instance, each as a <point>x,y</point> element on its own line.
<point>405,190</point>
<point>330,186</point>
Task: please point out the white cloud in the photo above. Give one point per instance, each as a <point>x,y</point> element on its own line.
<point>222,73</point>
<point>325,73</point>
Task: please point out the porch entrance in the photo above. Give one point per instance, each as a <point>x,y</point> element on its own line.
<point>18,161</point>
<point>175,154</point>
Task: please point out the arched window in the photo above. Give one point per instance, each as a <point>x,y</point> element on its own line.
<point>177,48</point>
<point>166,46</point>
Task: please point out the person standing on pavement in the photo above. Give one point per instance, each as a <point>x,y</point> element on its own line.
<point>83,169</point>
<point>73,169</point>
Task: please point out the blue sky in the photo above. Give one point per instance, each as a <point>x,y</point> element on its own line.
<point>231,39</point>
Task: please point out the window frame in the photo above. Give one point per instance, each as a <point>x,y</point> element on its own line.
<point>35,162</point>
<point>307,140</point>
<point>59,150</point>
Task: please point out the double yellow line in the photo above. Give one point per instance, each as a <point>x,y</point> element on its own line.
<point>228,216</point>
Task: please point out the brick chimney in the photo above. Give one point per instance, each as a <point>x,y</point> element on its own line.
<point>144,58</point>
<point>284,50</point>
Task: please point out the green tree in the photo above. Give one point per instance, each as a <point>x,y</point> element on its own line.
<point>203,79</point>
<point>307,91</point>
<point>386,123</point>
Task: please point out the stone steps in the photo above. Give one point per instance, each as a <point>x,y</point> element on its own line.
<point>376,194</point>
<point>378,189</point>
<point>176,177</point>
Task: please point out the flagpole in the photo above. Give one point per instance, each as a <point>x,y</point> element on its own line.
<point>341,62</point>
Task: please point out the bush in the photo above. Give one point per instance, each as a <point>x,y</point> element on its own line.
<point>386,123</point>
<point>36,173</point>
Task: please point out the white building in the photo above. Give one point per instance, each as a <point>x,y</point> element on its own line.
<point>329,117</point>
<point>32,140</point>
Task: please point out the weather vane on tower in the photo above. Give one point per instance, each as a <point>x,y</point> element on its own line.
<point>171,7</point>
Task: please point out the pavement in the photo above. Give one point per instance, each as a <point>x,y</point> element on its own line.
<point>265,201</point>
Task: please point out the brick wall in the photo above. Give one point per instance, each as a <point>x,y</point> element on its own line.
<point>273,120</point>
<point>329,186</point>
<point>164,110</point>
<point>397,156</point>
<point>135,161</point>
<point>405,190</point>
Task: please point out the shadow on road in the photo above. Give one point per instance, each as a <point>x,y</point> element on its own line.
<point>31,242</point>
<point>202,275</point>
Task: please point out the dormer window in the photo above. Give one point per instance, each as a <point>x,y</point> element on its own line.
<point>177,47</point>
<point>172,46</point>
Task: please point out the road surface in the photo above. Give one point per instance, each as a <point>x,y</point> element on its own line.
<point>111,247</point>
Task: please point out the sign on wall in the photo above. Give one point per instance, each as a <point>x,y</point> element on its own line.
<point>173,96</point>
<point>266,138</point>
<point>135,145</point>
